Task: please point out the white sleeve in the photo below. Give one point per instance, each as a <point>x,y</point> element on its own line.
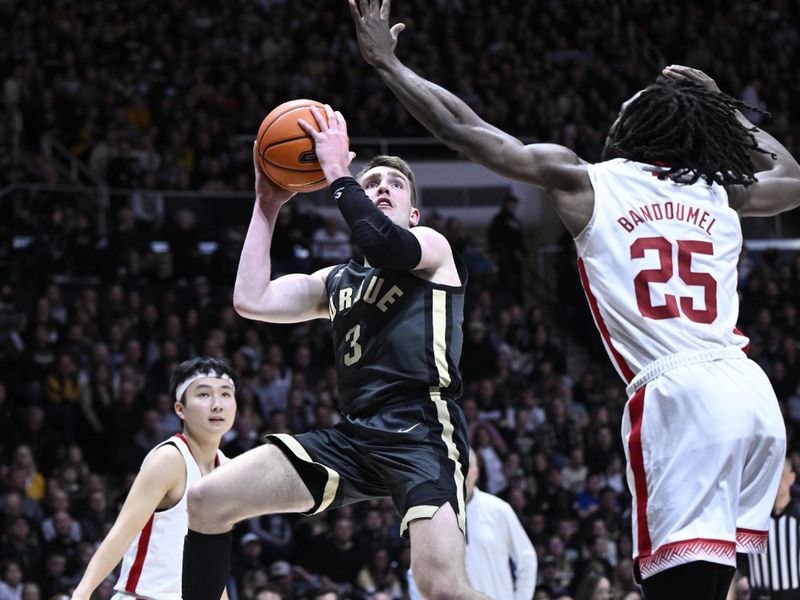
<point>523,555</point>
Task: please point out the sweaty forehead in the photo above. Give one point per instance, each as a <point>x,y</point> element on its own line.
<point>381,172</point>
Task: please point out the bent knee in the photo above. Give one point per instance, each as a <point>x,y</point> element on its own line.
<point>440,586</point>
<point>206,514</point>
<point>196,498</point>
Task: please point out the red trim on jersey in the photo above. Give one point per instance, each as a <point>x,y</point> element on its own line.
<point>627,374</point>
<point>635,412</point>
<point>752,540</point>
<point>141,553</point>
<point>678,553</point>
<point>185,441</point>
<point>745,349</point>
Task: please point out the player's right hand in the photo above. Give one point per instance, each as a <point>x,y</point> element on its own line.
<point>331,143</point>
<point>266,190</point>
<point>696,75</point>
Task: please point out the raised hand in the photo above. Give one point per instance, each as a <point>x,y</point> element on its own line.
<point>266,190</point>
<point>376,39</point>
<point>331,144</point>
<point>696,75</point>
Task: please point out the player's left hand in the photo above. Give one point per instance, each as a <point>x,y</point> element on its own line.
<point>696,75</point>
<point>375,39</point>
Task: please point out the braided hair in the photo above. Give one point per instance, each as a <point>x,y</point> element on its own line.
<point>691,129</point>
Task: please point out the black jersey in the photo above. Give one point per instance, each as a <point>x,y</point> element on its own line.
<point>394,335</point>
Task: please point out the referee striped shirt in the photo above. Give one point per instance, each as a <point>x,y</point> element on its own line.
<point>776,574</point>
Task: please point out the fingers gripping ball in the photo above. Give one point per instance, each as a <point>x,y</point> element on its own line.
<point>285,152</point>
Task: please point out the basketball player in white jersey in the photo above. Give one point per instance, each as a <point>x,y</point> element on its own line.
<point>149,531</point>
<point>657,231</point>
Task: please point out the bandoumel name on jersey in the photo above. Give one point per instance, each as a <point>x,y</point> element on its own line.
<point>395,335</point>
<point>658,264</point>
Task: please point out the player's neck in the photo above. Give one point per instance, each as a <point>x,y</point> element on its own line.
<point>204,450</point>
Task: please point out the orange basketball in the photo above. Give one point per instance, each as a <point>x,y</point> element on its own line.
<point>285,152</point>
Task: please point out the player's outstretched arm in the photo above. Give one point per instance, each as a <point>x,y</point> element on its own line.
<point>778,186</point>
<point>162,472</point>
<point>447,117</point>
<point>288,299</point>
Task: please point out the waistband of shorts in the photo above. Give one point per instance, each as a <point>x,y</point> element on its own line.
<point>680,359</point>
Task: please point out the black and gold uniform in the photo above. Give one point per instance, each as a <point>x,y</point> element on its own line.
<point>397,340</point>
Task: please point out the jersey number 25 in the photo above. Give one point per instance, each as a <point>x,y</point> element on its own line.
<point>670,310</point>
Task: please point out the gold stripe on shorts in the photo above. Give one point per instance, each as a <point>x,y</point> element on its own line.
<point>333,477</point>
<point>452,452</point>
<point>423,511</point>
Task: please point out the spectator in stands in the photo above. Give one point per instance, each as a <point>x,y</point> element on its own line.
<point>11,581</point>
<point>97,517</point>
<point>336,556</point>
<point>594,586</point>
<point>24,462</point>
<point>378,576</point>
<point>507,248</point>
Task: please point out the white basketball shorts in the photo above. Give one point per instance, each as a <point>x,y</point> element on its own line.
<point>705,444</point>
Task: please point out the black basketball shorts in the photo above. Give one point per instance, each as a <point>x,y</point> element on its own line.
<point>413,451</point>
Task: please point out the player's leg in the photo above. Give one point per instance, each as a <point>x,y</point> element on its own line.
<point>682,442</point>
<point>257,482</point>
<point>763,462</point>
<point>691,581</point>
<point>260,481</point>
<point>437,557</point>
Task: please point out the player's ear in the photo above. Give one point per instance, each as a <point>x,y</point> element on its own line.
<point>179,408</point>
<point>413,218</point>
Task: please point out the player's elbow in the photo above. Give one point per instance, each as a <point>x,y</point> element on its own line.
<point>242,306</point>
<point>248,305</point>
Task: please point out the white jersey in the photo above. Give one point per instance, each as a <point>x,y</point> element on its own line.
<point>152,566</point>
<point>658,264</point>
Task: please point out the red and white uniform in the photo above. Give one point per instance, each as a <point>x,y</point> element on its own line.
<point>703,433</point>
<point>152,566</point>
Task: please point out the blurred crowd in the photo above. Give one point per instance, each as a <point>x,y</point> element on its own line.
<point>91,325</point>
<point>160,95</point>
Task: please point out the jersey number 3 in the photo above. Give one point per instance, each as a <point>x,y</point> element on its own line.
<point>354,353</point>
<point>670,310</point>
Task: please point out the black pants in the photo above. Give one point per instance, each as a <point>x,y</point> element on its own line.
<point>693,581</point>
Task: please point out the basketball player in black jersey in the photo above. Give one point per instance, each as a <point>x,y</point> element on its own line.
<point>396,324</point>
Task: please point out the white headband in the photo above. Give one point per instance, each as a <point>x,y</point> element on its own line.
<point>184,386</point>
